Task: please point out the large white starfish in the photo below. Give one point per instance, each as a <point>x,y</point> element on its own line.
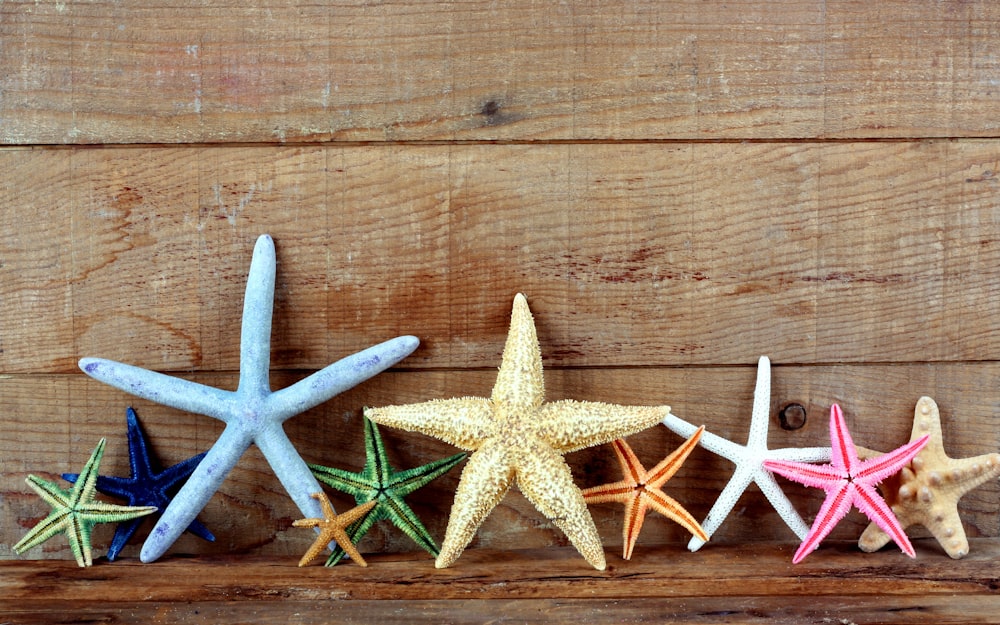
<point>749,460</point>
<point>252,413</point>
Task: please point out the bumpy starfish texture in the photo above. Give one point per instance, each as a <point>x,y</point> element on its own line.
<point>147,486</point>
<point>75,511</point>
<point>749,460</point>
<point>380,483</point>
<point>641,490</point>
<point>252,413</point>
<point>518,438</point>
<point>927,490</point>
<point>332,528</point>
<point>849,481</point>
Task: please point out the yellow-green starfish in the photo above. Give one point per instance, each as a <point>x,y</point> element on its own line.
<point>379,482</point>
<point>641,489</point>
<point>927,490</point>
<point>331,528</point>
<point>518,438</point>
<point>75,512</point>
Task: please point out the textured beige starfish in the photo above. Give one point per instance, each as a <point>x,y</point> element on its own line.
<point>518,438</point>
<point>927,490</point>
<point>332,527</point>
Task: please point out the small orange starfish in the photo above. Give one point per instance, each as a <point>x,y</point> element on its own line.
<point>640,490</point>
<point>332,528</point>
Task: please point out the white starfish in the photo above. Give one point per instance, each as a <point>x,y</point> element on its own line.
<point>252,413</point>
<point>749,460</point>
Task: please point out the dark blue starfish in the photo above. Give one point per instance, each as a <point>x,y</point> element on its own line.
<point>146,487</point>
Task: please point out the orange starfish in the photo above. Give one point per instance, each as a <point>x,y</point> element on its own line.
<point>640,490</point>
<point>927,490</point>
<point>332,528</point>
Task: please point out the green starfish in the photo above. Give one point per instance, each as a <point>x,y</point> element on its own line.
<point>75,511</point>
<point>379,481</point>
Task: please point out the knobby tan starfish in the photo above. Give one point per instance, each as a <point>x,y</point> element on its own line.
<point>332,527</point>
<point>641,490</point>
<point>518,438</point>
<point>927,490</point>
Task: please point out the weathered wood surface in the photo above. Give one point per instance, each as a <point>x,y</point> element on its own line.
<point>744,584</point>
<point>53,422</point>
<point>695,254</point>
<point>157,72</point>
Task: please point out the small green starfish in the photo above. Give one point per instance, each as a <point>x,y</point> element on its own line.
<point>379,481</point>
<point>75,511</point>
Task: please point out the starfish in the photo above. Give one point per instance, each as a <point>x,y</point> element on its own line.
<point>252,413</point>
<point>926,491</point>
<point>380,483</point>
<point>75,511</point>
<point>518,438</point>
<point>146,486</point>
<point>749,460</point>
<point>331,528</point>
<point>849,481</point>
<point>641,489</point>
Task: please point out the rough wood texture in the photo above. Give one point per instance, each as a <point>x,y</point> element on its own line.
<point>747,584</point>
<point>678,187</point>
<point>152,71</point>
<point>694,254</point>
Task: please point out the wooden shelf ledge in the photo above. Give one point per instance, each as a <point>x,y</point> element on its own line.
<point>754,583</point>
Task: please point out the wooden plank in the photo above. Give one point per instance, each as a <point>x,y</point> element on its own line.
<point>278,70</point>
<point>51,423</point>
<point>881,582</point>
<point>630,254</point>
<point>733,610</point>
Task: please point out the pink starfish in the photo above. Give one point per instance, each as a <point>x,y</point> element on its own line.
<point>849,481</point>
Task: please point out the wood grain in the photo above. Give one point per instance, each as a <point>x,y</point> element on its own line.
<point>53,422</point>
<point>695,254</point>
<point>739,585</point>
<point>284,71</point>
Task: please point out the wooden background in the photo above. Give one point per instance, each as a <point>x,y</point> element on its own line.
<point>677,187</point>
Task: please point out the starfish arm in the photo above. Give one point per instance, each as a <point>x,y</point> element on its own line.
<point>465,422</point>
<point>569,425</point>
<point>843,453</point>
<point>781,504</point>
<point>618,492</point>
<point>635,515</point>
<point>546,481</point>
<point>405,482</point>
<point>874,507</point>
<point>519,381</point>
<point>78,535</point>
<point>355,532</point>
<point>968,473</point>
<point>873,538</point>
<point>160,388</point>
<point>55,523</point>
<point>258,309</point>
<point>336,378</point>
<point>192,497</point>
<point>123,533</point>
<point>344,481</point>
<point>404,518</point>
<point>815,475</point>
<point>48,491</point>
<point>290,469</point>
<point>800,454</point>
<point>83,488</point>
<point>724,504</point>
<point>177,473</point>
<point>712,442</point>
<point>874,470</point>
<point>835,507</point>
<point>670,508</point>
<point>485,480</point>
<point>667,467</point>
<point>757,438</point>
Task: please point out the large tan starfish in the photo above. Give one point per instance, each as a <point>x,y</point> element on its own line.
<point>926,491</point>
<point>518,438</point>
<point>333,527</point>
